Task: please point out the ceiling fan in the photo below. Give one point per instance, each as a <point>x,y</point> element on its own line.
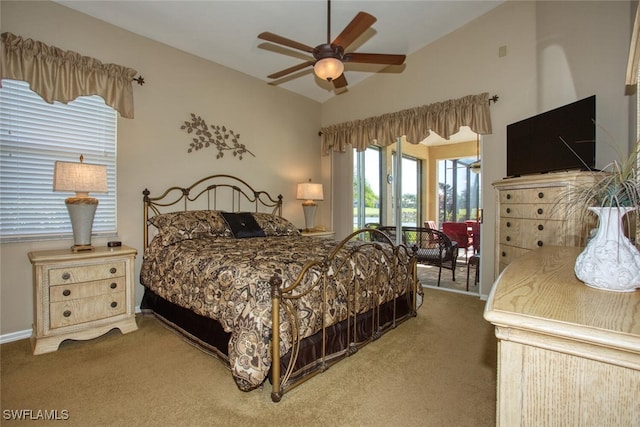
<point>329,57</point>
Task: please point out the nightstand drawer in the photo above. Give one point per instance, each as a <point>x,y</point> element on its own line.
<point>86,290</point>
<point>85,273</point>
<point>72,312</point>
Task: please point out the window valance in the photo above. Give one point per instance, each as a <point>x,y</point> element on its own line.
<point>443,118</point>
<point>59,75</point>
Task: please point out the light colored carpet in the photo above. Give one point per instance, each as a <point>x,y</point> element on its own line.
<point>437,369</point>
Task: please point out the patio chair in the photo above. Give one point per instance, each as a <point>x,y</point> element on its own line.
<point>457,232</point>
<point>434,247</point>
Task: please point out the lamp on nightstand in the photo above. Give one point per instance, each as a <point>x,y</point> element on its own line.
<point>80,178</point>
<point>309,191</point>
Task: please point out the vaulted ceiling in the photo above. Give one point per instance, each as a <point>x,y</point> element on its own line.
<point>226,32</point>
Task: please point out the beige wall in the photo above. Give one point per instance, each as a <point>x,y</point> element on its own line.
<point>280,128</point>
<point>557,52</point>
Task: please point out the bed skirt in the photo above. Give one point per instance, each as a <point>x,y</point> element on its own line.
<point>208,335</point>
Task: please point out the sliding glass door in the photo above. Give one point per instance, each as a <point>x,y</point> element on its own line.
<point>367,189</point>
<point>458,190</point>
<point>377,180</point>
<point>410,196</point>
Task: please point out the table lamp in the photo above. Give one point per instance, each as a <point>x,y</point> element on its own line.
<point>80,178</point>
<point>309,191</point>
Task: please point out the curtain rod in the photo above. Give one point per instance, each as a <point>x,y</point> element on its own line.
<point>139,79</point>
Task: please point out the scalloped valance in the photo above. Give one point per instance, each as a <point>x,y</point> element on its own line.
<point>444,118</point>
<point>59,75</point>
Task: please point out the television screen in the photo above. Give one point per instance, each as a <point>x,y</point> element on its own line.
<point>557,140</point>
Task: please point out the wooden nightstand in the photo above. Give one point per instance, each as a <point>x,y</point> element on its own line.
<point>81,295</point>
<point>321,234</point>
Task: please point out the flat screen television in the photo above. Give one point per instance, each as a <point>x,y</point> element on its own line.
<point>535,145</point>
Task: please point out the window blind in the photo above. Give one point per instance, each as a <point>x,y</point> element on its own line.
<point>33,135</point>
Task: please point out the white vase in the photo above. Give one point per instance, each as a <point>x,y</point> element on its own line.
<point>609,261</point>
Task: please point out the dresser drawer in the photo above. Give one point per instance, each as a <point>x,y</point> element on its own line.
<point>86,290</point>
<point>508,253</point>
<point>75,311</point>
<point>545,195</point>
<point>534,211</point>
<point>531,233</point>
<point>86,273</point>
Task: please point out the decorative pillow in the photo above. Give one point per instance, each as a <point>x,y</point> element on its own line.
<point>274,225</point>
<point>174,227</point>
<point>243,225</point>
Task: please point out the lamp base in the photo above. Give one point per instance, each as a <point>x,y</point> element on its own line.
<point>81,212</point>
<point>82,248</point>
<point>309,208</point>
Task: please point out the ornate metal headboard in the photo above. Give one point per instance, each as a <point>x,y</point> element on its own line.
<point>215,192</point>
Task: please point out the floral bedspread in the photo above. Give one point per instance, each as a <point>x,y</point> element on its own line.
<point>227,279</point>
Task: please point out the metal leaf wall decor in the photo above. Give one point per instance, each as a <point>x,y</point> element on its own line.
<point>214,135</point>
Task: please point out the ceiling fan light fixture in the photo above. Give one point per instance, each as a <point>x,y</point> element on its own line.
<point>328,68</point>
<point>475,167</point>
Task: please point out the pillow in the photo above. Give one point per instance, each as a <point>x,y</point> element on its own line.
<point>274,225</point>
<point>243,225</point>
<point>174,227</point>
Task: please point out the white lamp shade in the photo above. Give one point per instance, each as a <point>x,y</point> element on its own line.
<point>310,191</point>
<point>79,177</point>
<point>328,68</point>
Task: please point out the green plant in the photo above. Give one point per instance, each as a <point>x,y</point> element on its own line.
<point>617,186</point>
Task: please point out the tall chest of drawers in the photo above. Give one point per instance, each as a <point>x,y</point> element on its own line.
<point>531,213</point>
<point>81,295</point>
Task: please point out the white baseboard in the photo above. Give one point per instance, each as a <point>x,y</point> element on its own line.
<point>15,336</point>
<point>21,335</point>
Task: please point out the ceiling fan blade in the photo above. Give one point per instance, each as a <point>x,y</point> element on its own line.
<point>290,70</point>
<point>274,38</point>
<point>356,27</point>
<point>340,82</point>
<point>374,58</point>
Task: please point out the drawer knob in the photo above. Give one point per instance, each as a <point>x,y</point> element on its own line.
<point>508,210</point>
<point>540,227</point>
<point>504,254</point>
<point>508,238</point>
<point>66,313</point>
<point>540,243</point>
<point>66,292</point>
<point>66,276</point>
<point>113,270</point>
<point>540,211</point>
<point>113,285</point>
<point>508,196</point>
<point>114,304</point>
<point>540,195</point>
<point>508,224</point>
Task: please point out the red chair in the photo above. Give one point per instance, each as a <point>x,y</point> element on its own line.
<point>473,229</point>
<point>457,232</point>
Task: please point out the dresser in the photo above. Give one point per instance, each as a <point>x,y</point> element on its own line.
<point>531,213</point>
<point>568,355</point>
<point>81,295</point>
